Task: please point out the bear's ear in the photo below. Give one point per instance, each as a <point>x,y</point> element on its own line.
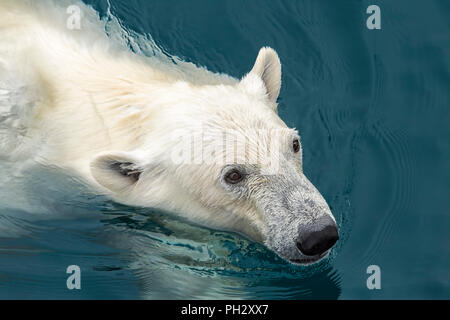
<point>268,68</point>
<point>116,171</point>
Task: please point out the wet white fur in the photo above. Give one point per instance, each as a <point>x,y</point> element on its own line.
<point>76,99</point>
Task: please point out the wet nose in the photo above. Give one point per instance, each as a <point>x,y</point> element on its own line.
<point>312,243</point>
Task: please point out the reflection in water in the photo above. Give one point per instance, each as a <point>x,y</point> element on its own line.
<point>127,252</point>
<point>174,259</point>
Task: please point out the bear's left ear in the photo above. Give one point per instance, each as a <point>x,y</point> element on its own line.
<point>267,67</point>
<point>116,171</point>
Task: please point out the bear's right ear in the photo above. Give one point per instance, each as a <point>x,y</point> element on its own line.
<point>267,68</point>
<point>116,171</point>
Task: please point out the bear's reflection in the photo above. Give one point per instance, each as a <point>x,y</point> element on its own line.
<point>173,259</point>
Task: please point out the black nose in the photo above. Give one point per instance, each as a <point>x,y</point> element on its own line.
<point>317,242</point>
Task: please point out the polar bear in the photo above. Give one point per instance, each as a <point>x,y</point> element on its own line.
<point>204,146</point>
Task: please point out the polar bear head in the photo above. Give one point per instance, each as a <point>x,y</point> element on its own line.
<point>219,155</point>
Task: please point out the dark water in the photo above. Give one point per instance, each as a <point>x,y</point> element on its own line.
<point>372,107</point>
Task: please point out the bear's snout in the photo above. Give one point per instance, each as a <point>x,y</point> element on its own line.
<point>313,242</point>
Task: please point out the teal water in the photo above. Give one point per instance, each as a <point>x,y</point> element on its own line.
<point>372,107</point>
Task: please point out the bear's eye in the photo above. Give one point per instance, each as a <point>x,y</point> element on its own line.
<point>233,177</point>
<point>296,145</point>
